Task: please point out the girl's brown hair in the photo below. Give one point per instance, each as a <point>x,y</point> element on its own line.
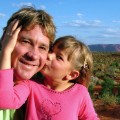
<point>79,55</point>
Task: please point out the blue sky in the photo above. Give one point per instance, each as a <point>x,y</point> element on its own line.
<point>91,21</point>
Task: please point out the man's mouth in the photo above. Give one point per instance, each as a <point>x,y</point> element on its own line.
<point>27,63</point>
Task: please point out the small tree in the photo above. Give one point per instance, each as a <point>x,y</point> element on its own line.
<point>107,86</point>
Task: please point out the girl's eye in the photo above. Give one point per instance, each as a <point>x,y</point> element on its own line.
<point>59,57</point>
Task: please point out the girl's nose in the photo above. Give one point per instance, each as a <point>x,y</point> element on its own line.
<point>50,56</point>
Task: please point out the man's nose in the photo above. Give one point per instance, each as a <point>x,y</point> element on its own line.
<point>32,55</point>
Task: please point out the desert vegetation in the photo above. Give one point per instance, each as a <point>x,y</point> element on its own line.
<point>104,87</point>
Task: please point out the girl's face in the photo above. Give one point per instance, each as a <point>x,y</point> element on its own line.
<point>57,65</point>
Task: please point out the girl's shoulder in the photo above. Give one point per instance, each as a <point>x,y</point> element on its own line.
<point>81,88</point>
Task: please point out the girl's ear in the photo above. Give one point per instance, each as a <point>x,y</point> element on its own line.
<point>72,75</point>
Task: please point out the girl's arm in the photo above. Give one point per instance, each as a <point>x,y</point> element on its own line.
<point>87,111</point>
<point>10,96</point>
<point>8,43</point>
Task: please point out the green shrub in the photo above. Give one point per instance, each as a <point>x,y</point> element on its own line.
<point>108,99</point>
<point>118,99</point>
<point>107,86</point>
<point>119,90</point>
<point>91,89</point>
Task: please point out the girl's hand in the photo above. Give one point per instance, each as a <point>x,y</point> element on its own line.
<point>10,37</point>
<point>8,43</point>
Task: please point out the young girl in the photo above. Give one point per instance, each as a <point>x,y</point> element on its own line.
<point>58,96</point>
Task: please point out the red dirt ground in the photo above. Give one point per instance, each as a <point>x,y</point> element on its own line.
<point>107,112</point>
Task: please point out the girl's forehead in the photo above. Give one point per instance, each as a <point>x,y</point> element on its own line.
<point>60,45</point>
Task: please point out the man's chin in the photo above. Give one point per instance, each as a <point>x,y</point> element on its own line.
<point>23,75</point>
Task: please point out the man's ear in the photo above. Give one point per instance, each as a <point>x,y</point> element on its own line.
<point>73,75</point>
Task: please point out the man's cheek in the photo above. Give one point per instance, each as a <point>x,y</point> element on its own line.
<point>42,63</point>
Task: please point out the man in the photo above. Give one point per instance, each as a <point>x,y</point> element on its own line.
<point>30,52</point>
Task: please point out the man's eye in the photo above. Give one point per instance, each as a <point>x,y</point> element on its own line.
<point>43,48</point>
<point>26,41</point>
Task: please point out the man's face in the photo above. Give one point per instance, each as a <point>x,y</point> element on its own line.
<point>30,52</point>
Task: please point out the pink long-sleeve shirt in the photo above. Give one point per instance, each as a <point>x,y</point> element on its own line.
<point>44,103</point>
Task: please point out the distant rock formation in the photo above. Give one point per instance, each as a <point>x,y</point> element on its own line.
<point>105,47</point>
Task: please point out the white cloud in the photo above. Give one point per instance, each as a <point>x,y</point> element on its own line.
<point>111,33</point>
<point>84,23</point>
<point>43,7</point>
<point>116,21</point>
<point>2,15</point>
<point>79,14</point>
<point>107,35</point>
<point>111,30</point>
<point>22,4</point>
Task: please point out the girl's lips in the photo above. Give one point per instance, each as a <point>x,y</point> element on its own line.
<point>46,66</point>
